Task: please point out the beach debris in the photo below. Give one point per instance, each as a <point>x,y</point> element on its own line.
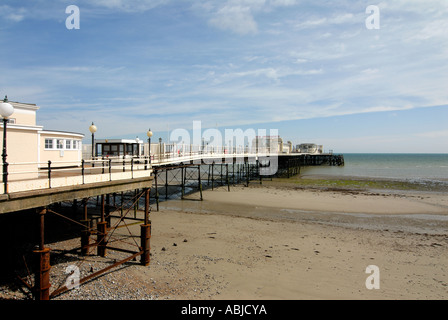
<point>174,244</point>
<point>185,240</point>
<point>268,256</point>
<point>163,249</point>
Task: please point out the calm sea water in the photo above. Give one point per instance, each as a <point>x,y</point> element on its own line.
<point>421,167</point>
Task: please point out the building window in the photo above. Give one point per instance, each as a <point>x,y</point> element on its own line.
<point>68,144</point>
<point>60,144</point>
<point>48,143</point>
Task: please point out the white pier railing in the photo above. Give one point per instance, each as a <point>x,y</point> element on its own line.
<point>26,176</point>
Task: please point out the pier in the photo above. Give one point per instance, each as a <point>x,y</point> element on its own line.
<point>106,193</point>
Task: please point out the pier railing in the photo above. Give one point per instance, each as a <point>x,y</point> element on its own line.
<point>26,176</point>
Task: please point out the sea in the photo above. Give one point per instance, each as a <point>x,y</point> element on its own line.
<point>414,167</point>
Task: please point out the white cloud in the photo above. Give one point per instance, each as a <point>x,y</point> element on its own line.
<point>238,19</point>
<point>283,2</point>
<point>16,17</point>
<point>128,5</point>
<point>370,71</point>
<point>238,16</point>
<point>324,21</point>
<point>433,134</point>
<point>12,13</point>
<point>435,29</point>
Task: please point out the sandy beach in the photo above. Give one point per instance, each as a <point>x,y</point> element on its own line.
<point>277,242</point>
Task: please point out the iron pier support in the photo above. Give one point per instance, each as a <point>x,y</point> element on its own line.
<point>42,254</point>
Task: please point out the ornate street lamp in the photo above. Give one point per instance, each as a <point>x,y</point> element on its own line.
<point>6,110</point>
<point>93,129</point>
<point>149,134</point>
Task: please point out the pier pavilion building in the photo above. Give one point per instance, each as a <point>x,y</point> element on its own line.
<point>30,146</point>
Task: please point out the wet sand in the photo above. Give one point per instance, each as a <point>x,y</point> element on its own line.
<point>278,243</point>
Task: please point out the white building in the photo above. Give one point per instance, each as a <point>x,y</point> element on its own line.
<point>309,148</point>
<point>30,147</point>
<point>267,144</point>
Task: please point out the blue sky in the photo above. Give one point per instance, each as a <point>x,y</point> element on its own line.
<point>311,69</point>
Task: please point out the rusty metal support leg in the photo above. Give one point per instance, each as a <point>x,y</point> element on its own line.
<point>157,190</point>
<point>199,181</point>
<point>146,232</point>
<point>247,174</point>
<point>145,237</point>
<point>146,212</point>
<point>103,208</point>
<point>227,177</point>
<point>166,184</point>
<point>182,186</point>
<point>102,231</point>
<point>121,204</point>
<point>42,275</point>
<point>107,210</point>
<point>135,203</point>
<point>101,238</point>
<point>85,233</point>
<point>213,174</point>
<point>75,207</point>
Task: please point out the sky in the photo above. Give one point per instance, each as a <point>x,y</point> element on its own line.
<point>328,72</point>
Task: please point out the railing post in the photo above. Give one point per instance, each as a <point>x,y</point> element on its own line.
<point>110,169</point>
<point>82,170</point>
<point>49,174</point>
<point>132,168</point>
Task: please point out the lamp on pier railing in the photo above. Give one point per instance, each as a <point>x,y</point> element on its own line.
<point>6,110</point>
<point>149,134</point>
<point>93,129</point>
<point>160,148</point>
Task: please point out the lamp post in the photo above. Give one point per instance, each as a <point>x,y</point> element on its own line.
<point>93,129</point>
<point>149,134</point>
<point>6,110</point>
<point>160,149</point>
